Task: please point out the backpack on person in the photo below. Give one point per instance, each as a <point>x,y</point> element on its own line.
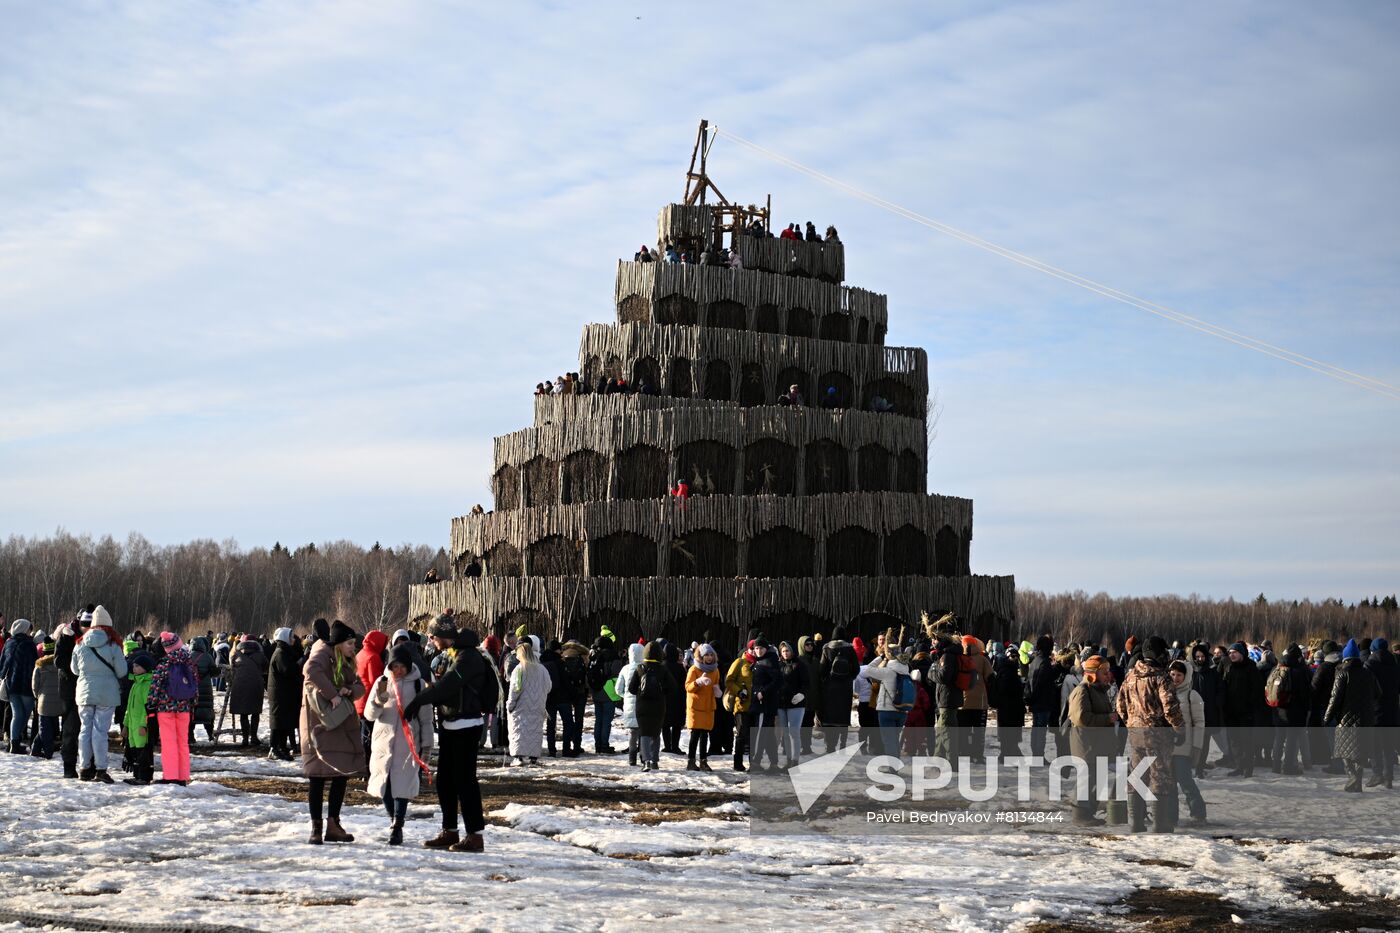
<point>841,667</point>
<point>966,677</point>
<point>1276,687</point>
<point>575,677</point>
<point>649,683</point>
<point>180,686</point>
<point>597,671</point>
<point>905,692</point>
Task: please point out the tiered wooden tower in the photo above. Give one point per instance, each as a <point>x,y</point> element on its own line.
<point>799,517</point>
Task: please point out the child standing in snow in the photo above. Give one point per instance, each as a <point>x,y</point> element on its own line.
<point>139,723</point>
<point>174,692</point>
<point>48,698</point>
<point>398,746</point>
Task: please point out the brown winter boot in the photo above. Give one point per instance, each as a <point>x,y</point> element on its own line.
<point>473,843</point>
<point>443,840</point>
<point>315,839</point>
<point>334,832</point>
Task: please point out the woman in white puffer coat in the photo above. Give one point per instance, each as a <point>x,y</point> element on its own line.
<point>394,760</point>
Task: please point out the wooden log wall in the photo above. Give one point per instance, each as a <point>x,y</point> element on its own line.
<point>611,423</point>
<point>741,518</point>
<point>906,368</point>
<point>679,223</point>
<point>820,260</point>
<point>560,605</point>
<point>653,281</point>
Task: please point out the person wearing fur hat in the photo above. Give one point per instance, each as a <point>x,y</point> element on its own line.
<point>527,698</point>
<point>284,686</point>
<point>399,746</point>
<point>1090,719</point>
<point>331,750</point>
<point>650,683</point>
<point>1147,704</point>
<point>174,692</point>
<point>247,684</point>
<point>702,693</point>
<point>17,674</point>
<point>1352,709</point>
<point>972,716</point>
<point>99,665</point>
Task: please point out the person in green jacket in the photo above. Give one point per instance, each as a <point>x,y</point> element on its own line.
<point>139,722</point>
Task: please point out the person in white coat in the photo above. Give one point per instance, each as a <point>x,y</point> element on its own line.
<point>635,654</point>
<point>398,746</point>
<point>1184,755</point>
<point>99,666</point>
<point>526,702</point>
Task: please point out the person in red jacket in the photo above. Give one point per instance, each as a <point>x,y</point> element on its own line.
<point>369,665</point>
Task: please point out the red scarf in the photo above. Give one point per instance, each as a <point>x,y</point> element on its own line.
<point>408,733</point>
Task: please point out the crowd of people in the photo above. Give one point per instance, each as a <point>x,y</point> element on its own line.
<point>374,706</point>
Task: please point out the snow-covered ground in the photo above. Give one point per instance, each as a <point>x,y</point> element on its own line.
<point>213,854</point>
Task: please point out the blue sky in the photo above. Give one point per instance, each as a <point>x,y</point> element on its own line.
<point>280,271</point>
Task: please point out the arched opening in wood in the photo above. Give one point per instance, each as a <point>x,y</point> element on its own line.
<point>908,477</point>
<point>717,381</point>
<point>462,561</point>
<point>828,469</point>
<point>612,369</point>
<point>703,553</point>
<point>945,552</point>
<point>704,628</point>
<point>799,322</point>
<point>780,552</point>
<point>708,466</point>
<point>906,552</point>
<point>554,556</point>
<point>676,309</point>
<point>766,320</point>
<point>843,395</point>
<point>646,374</point>
<point>965,553</point>
<point>634,309</point>
<point>641,473</point>
<point>873,468</point>
<point>680,385</point>
<point>624,626</point>
<point>541,482</point>
<point>503,560</point>
<point>583,477</point>
<point>536,622</point>
<point>770,468</point>
<point>505,487</point>
<point>904,399</point>
<point>623,554</point>
<point>792,376</point>
<point>751,385</point>
<point>790,626</point>
<point>863,331</point>
<point>869,626</point>
<point>835,326</point>
<point>853,552</point>
<point>727,313</point>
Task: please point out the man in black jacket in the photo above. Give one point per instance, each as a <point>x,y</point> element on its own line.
<point>1293,696</point>
<point>1319,733</point>
<point>1383,667</point>
<point>839,666</point>
<point>1042,695</point>
<point>461,695</point>
<point>1244,692</point>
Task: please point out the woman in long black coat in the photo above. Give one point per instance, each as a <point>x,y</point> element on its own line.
<point>246,688</point>
<point>203,657</point>
<point>1355,697</point>
<point>284,692</point>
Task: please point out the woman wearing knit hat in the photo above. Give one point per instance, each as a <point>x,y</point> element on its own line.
<point>99,665</point>
<point>1352,710</point>
<point>1243,693</point>
<point>331,750</point>
<point>17,674</point>
<point>174,692</point>
<point>1184,755</point>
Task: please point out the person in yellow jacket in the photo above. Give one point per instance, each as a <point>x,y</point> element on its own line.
<point>702,690</point>
<point>738,690</point>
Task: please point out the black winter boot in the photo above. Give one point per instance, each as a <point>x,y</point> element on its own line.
<point>316,837</point>
<point>87,774</point>
<point>101,775</point>
<point>396,833</point>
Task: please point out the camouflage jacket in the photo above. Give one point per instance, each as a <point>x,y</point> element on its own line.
<point>1147,699</point>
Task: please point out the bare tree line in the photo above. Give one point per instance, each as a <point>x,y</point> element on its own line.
<point>1108,620</point>
<point>206,584</point>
